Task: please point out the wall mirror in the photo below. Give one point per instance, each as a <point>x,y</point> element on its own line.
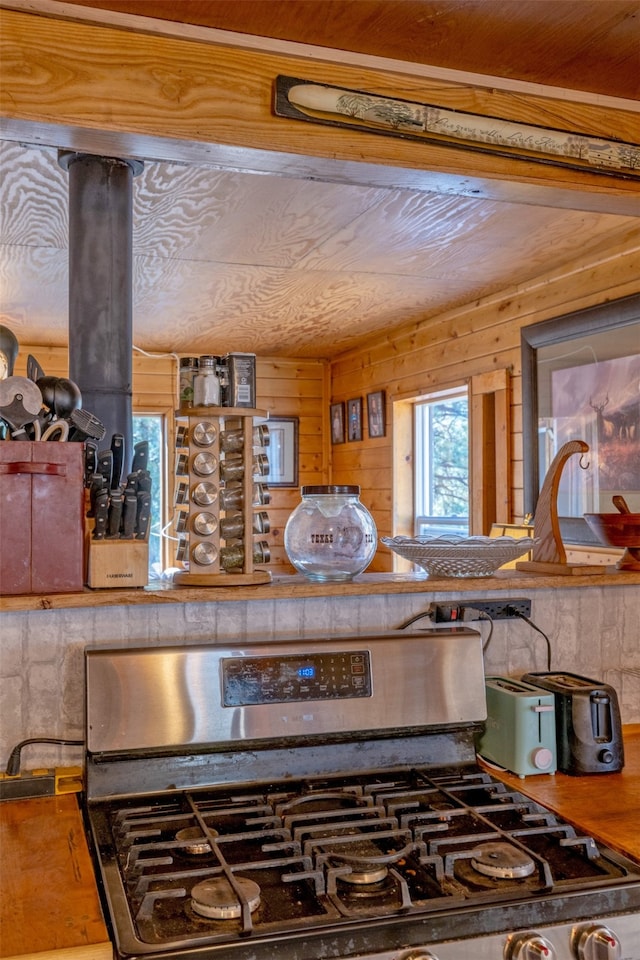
<point>581,381</point>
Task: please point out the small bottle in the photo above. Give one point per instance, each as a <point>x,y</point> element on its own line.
<point>188,370</point>
<point>206,386</point>
<point>231,558</point>
<point>232,497</point>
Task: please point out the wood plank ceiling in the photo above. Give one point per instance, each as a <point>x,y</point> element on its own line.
<point>285,267</point>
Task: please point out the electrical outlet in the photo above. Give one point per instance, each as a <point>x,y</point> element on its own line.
<point>498,609</point>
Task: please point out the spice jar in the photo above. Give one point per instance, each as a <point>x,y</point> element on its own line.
<point>330,535</point>
<point>188,370</point>
<point>232,558</point>
<point>206,386</point>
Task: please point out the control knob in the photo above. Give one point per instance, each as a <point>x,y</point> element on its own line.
<point>542,758</point>
<point>529,946</point>
<point>594,941</point>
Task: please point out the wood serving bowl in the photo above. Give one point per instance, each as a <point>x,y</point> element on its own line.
<point>619,530</point>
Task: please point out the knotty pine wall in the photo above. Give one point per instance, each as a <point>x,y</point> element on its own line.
<point>286,388</point>
<point>478,339</point>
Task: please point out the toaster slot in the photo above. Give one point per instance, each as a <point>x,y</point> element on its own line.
<point>601,716</point>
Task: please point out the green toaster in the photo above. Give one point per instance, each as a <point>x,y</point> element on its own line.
<point>520,732</point>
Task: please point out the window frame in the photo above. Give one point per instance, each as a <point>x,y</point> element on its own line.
<point>421,461</point>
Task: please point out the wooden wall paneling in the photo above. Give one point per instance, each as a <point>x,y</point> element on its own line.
<point>490,462</point>
<point>461,345</point>
<point>294,388</point>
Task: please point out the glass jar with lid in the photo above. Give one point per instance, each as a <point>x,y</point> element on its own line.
<point>206,386</point>
<point>330,535</point>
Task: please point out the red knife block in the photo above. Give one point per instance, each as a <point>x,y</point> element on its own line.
<point>41,517</point>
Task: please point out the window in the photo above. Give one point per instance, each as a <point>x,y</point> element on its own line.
<point>441,480</point>
<point>151,427</point>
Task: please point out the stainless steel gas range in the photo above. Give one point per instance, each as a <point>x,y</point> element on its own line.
<point>320,799</point>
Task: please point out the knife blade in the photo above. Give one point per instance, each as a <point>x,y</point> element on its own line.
<point>105,467</point>
<point>116,503</point>
<point>129,513</point>
<point>143,515</point>
<point>117,449</point>
<point>102,515</point>
<point>140,456</point>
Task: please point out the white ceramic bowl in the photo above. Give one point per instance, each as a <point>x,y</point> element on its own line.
<point>455,556</point>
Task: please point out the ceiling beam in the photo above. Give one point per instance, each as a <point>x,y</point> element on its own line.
<point>116,92</point>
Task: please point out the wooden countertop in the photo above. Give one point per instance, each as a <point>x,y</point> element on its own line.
<point>605,806</point>
<point>49,905</point>
<point>297,587</point>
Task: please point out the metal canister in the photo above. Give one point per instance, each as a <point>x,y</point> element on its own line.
<point>204,463</point>
<point>204,524</point>
<point>204,434</point>
<point>241,368</point>
<point>204,553</point>
<point>204,493</point>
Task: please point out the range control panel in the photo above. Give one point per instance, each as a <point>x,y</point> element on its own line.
<point>289,679</point>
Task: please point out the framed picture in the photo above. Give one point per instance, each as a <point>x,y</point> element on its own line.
<point>336,413</point>
<point>354,419</point>
<point>376,414</point>
<point>581,381</point>
<point>283,452</point>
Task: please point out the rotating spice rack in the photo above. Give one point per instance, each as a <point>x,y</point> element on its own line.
<point>195,425</point>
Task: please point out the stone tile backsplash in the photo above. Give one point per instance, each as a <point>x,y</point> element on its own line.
<point>594,631</point>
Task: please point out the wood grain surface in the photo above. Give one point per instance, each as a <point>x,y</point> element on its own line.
<point>606,806</point>
<point>48,896</point>
<point>296,263</point>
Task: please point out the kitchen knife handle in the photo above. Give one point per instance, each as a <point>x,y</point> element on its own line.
<point>115,514</point>
<point>102,515</point>
<point>140,456</point>
<point>143,515</point>
<point>117,450</point>
<point>129,513</point>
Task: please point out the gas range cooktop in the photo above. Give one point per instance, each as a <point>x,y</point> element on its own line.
<point>364,830</point>
<point>213,867</point>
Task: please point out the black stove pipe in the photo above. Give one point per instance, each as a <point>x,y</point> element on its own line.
<point>100,287</point>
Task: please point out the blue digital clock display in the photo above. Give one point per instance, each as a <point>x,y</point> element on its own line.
<point>306,673</point>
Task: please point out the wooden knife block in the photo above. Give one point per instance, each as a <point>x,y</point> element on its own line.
<point>116,563</point>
